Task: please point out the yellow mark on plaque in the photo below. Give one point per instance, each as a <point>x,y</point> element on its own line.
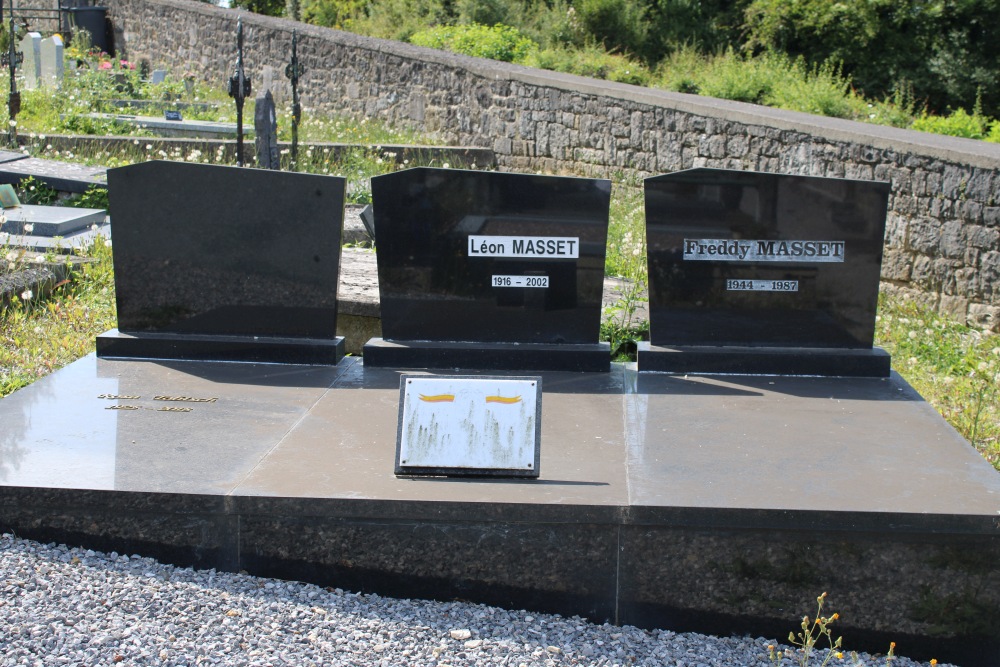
<point>116,397</point>
<point>503,399</point>
<point>187,399</point>
<point>123,407</point>
<point>174,409</point>
<point>438,398</point>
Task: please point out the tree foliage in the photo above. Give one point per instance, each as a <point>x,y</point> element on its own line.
<point>945,51</point>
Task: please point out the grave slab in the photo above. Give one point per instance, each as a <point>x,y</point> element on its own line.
<point>715,503</point>
<point>249,272</point>
<point>489,270</point>
<point>174,128</point>
<point>763,273</point>
<point>62,176</point>
<point>50,221</point>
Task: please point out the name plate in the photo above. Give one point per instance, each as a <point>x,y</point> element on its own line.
<point>469,426</point>
<point>560,247</point>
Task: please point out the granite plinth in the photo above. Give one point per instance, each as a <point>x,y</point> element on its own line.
<point>733,360</point>
<point>381,353</point>
<point>50,220</point>
<point>717,504</point>
<point>115,344</point>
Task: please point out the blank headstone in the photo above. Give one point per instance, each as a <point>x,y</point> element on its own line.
<point>764,273</point>
<point>31,68</point>
<point>159,76</point>
<point>265,124</point>
<point>51,51</point>
<point>223,263</point>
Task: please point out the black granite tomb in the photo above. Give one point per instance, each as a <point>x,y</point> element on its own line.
<point>490,270</point>
<point>763,273</point>
<point>223,263</point>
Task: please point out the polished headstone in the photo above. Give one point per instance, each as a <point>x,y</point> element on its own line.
<point>221,262</point>
<point>470,261</point>
<point>754,272</point>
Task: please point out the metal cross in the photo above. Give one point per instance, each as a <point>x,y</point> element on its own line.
<point>12,59</point>
<point>293,71</point>
<point>239,90</point>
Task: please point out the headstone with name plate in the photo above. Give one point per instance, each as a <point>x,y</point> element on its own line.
<point>31,68</point>
<point>51,53</point>
<point>490,270</point>
<point>763,273</point>
<point>204,270</point>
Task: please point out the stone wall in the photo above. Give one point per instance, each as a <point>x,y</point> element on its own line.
<point>943,235</point>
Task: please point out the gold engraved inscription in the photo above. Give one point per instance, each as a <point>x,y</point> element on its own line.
<point>174,409</point>
<point>117,397</point>
<point>123,407</point>
<point>187,399</point>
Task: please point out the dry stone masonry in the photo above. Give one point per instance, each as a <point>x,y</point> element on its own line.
<point>943,230</point>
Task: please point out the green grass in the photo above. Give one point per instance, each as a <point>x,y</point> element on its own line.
<point>41,334</point>
<point>955,367</point>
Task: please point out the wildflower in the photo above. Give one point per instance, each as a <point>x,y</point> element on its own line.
<point>27,294</point>
<point>12,123</point>
<point>983,366</point>
<point>29,227</point>
<point>446,165</point>
<point>912,335</point>
<point>149,147</point>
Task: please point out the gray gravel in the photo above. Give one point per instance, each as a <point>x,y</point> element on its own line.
<point>63,606</point>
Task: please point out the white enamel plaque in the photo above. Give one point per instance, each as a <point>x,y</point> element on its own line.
<point>559,247</point>
<point>520,281</point>
<point>739,285</point>
<point>469,425</point>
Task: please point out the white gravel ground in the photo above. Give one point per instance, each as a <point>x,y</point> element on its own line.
<point>63,606</point>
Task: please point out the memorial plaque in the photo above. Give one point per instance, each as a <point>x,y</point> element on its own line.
<point>490,270</point>
<point>216,262</point>
<point>469,425</point>
<point>770,273</point>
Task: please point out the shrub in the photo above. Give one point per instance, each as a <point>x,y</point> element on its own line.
<point>590,61</point>
<point>499,42</point>
<point>958,123</point>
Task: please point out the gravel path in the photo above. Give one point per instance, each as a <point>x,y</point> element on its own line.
<point>62,606</point>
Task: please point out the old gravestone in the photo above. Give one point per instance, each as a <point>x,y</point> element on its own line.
<point>223,263</point>
<point>158,76</point>
<point>31,68</point>
<point>763,273</point>
<point>51,55</point>
<point>265,123</point>
<point>489,270</point>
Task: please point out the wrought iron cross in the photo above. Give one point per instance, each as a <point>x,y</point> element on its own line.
<point>293,71</point>
<point>239,90</point>
<point>12,59</point>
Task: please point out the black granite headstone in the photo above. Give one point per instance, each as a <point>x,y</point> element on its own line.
<point>763,273</point>
<point>224,263</point>
<point>490,270</point>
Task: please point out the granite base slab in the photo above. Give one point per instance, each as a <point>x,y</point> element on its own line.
<point>716,504</point>
<point>116,344</point>
<point>732,360</point>
<point>381,353</point>
<point>50,220</point>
